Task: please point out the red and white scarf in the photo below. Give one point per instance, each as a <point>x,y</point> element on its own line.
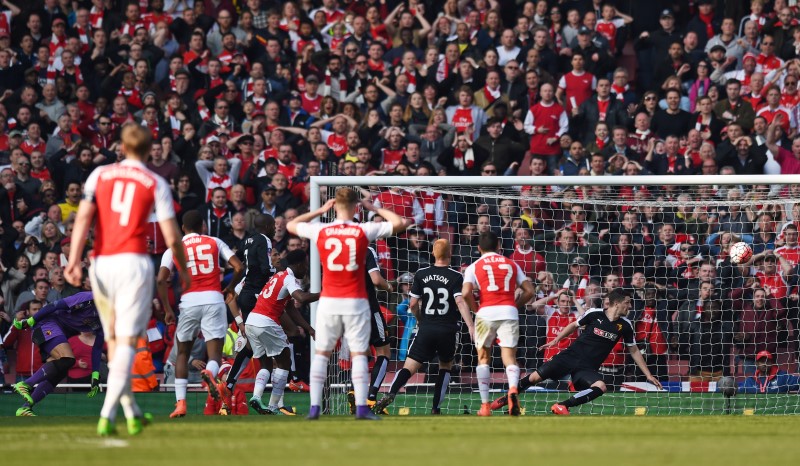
<point>443,70</point>
<point>96,18</point>
<point>619,91</point>
<point>247,90</point>
<point>342,83</point>
<point>412,78</point>
<point>77,74</point>
<point>84,38</point>
<point>491,95</point>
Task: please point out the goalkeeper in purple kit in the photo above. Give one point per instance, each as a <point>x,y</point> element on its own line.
<point>52,326</point>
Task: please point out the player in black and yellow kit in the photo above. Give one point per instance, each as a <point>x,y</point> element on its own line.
<point>602,329</point>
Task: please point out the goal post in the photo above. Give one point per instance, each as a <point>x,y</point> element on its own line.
<point>700,320</point>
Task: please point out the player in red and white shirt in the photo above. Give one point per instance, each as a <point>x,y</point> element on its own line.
<point>497,278</point>
<point>343,308</point>
<point>202,304</point>
<point>265,334</point>
<point>121,197</point>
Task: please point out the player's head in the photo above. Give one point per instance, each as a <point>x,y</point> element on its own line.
<point>296,260</point>
<point>192,222</point>
<point>136,142</point>
<point>619,301</point>
<point>265,224</point>
<point>346,203</point>
<point>488,242</point>
<point>441,250</point>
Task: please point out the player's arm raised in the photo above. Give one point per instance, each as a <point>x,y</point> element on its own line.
<point>399,224</point>
<point>80,232</point>
<point>291,227</point>
<point>642,365</point>
<point>568,330</point>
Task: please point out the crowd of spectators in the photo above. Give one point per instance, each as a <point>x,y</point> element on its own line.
<point>247,99</point>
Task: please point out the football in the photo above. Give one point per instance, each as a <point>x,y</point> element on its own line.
<point>740,253</point>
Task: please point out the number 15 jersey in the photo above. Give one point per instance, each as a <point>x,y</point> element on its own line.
<point>125,194</point>
<point>497,278</point>
<point>342,250</point>
<point>203,264</point>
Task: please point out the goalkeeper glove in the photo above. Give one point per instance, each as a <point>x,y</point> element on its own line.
<point>95,384</point>
<point>18,324</point>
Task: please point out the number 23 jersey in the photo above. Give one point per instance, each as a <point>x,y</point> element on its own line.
<point>125,195</point>
<point>342,250</point>
<point>437,289</point>
<point>497,278</point>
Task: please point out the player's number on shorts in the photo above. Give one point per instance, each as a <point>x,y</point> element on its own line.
<point>337,246</point>
<point>122,200</point>
<point>200,259</point>
<point>442,304</point>
<point>506,281</point>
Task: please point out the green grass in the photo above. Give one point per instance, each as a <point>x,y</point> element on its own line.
<point>409,441</point>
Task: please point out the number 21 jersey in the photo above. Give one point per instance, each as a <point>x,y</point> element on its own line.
<point>125,195</point>
<point>342,250</point>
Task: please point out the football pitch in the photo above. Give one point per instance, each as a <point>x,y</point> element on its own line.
<point>408,440</point>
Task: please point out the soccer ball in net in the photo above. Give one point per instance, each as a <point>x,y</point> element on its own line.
<point>741,253</point>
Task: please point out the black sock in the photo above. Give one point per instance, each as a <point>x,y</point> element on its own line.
<point>525,382</point>
<point>400,381</point>
<point>442,382</point>
<point>233,374</point>
<point>583,396</point>
<point>378,374</point>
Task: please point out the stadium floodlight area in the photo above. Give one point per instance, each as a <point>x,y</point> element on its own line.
<point>661,238</point>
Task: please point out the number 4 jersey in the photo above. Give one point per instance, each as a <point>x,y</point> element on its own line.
<point>437,289</point>
<point>125,194</point>
<point>203,264</point>
<point>496,277</point>
<point>342,250</point>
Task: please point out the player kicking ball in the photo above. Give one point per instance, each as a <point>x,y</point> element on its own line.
<point>266,335</point>
<point>438,290</point>
<point>602,330</point>
<point>343,308</point>
<point>497,277</point>
<point>202,304</point>
<point>52,326</point>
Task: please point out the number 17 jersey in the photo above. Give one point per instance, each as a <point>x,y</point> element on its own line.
<point>437,289</point>
<point>125,195</point>
<point>497,278</point>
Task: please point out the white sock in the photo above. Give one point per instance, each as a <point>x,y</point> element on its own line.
<point>129,406</point>
<point>279,378</point>
<point>119,376</point>
<point>280,402</point>
<point>484,377</point>
<point>213,367</point>
<point>360,377</point>
<point>317,374</point>
<point>512,373</point>
<point>291,353</point>
<point>261,382</point>
<point>180,389</point>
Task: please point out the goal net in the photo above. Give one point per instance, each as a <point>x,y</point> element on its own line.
<point>702,322</point>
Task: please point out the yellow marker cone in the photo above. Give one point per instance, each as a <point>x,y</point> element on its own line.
<point>640,411</point>
<point>403,412</point>
<point>749,411</point>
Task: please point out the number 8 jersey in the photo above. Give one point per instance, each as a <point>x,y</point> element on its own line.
<point>497,278</point>
<point>126,194</point>
<point>342,250</point>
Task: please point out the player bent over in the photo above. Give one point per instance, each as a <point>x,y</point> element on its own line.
<point>343,305</point>
<point>52,326</point>
<point>438,290</point>
<point>202,304</point>
<point>122,196</point>
<point>602,330</point>
<point>497,277</point>
<point>266,335</point>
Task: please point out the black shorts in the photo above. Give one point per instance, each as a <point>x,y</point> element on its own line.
<point>434,340</point>
<point>247,301</point>
<point>378,336</point>
<point>560,365</point>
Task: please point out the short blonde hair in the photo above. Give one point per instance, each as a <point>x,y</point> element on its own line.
<point>346,197</point>
<point>136,140</point>
<point>441,249</point>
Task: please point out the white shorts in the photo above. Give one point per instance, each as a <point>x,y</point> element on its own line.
<point>210,318</point>
<point>505,331</point>
<point>123,293</point>
<point>354,326</point>
<point>270,340</point>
